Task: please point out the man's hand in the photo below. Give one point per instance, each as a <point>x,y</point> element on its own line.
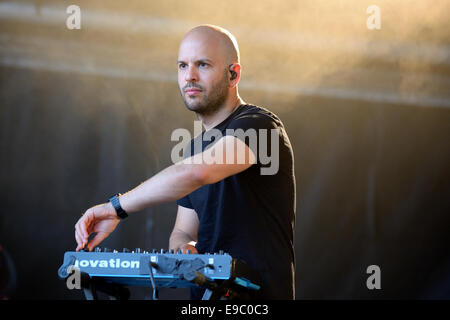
<point>184,233</point>
<point>189,246</point>
<point>101,219</point>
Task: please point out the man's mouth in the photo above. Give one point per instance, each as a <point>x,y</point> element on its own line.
<point>192,91</point>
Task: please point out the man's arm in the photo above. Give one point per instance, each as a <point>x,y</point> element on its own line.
<point>168,185</point>
<point>190,174</point>
<point>184,234</point>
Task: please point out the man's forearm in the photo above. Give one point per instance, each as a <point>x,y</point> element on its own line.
<point>168,185</point>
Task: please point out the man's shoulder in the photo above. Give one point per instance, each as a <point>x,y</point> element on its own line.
<point>250,112</point>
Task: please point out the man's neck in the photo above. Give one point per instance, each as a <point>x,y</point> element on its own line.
<point>212,120</point>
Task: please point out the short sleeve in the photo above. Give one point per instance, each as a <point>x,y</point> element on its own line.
<point>257,131</point>
<point>185,202</point>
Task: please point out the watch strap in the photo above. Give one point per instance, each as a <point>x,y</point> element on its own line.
<point>116,204</point>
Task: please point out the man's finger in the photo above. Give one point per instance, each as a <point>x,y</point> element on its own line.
<point>82,227</point>
<point>79,235</point>
<point>79,242</point>
<point>99,237</point>
<point>191,249</point>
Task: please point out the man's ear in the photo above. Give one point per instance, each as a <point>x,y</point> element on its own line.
<point>235,73</point>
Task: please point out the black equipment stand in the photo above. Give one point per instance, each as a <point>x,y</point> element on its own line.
<point>113,291</point>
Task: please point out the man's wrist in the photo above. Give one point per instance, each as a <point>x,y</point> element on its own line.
<point>121,213</point>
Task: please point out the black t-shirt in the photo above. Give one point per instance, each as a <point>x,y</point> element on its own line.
<point>251,215</point>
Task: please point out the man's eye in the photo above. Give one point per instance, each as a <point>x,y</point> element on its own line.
<point>203,65</point>
<point>182,65</point>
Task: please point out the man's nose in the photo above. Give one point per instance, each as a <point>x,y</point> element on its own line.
<point>191,74</point>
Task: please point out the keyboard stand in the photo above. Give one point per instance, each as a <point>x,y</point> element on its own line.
<point>113,291</point>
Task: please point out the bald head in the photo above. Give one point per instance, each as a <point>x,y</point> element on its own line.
<point>214,37</point>
<point>208,69</point>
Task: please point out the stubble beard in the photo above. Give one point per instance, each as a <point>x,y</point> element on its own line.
<point>209,104</point>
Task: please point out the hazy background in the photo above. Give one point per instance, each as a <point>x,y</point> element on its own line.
<point>88,113</point>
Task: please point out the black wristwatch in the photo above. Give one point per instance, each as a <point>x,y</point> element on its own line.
<point>116,204</point>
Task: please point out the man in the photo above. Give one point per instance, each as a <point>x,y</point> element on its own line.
<point>227,205</point>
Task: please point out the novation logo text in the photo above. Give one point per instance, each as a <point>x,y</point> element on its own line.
<point>111,263</point>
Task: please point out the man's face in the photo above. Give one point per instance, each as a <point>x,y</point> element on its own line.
<point>202,75</point>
